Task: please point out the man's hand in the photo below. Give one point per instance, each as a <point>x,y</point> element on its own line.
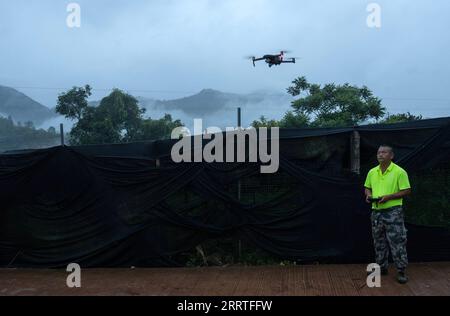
<point>395,196</point>
<point>368,193</point>
<point>385,198</point>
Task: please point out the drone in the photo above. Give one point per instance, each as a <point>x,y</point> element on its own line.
<point>272,60</point>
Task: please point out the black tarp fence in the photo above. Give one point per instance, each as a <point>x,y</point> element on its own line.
<point>130,204</point>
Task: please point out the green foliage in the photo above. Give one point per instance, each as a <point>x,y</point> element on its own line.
<point>293,120</point>
<point>290,120</point>
<point>334,105</point>
<point>159,129</point>
<point>73,103</point>
<point>117,119</point>
<point>14,137</point>
<point>263,122</point>
<point>398,118</point>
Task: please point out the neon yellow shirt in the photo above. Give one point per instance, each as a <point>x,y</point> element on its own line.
<point>393,180</point>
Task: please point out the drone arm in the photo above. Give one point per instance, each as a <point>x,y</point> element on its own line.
<point>292,61</point>
<point>256,59</point>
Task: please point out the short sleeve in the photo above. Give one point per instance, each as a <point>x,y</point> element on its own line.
<point>403,181</point>
<point>368,183</point>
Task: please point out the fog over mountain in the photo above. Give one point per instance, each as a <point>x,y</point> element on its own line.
<point>218,108</point>
<point>214,107</point>
<point>22,108</point>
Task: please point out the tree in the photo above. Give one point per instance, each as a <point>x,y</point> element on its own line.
<point>263,122</point>
<point>328,106</point>
<point>73,103</point>
<point>293,120</point>
<point>13,137</point>
<point>334,105</point>
<point>290,120</point>
<point>117,119</point>
<point>402,117</point>
<point>120,115</point>
<point>159,129</point>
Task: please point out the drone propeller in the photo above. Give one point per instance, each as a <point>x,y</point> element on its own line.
<point>252,58</point>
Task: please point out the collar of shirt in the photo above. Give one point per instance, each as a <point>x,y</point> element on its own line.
<point>389,169</point>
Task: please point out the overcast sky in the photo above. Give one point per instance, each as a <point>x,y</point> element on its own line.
<point>168,49</point>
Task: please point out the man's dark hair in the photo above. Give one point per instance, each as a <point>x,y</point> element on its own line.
<point>388,146</point>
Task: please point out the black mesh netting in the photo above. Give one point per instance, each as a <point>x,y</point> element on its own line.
<point>114,205</point>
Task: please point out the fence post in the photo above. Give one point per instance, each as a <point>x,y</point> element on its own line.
<point>61,131</point>
<point>355,152</point>
<point>239,117</point>
<point>239,123</point>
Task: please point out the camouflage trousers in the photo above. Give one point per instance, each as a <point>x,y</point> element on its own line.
<point>389,231</point>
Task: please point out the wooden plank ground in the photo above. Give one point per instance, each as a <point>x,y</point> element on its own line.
<point>341,280</point>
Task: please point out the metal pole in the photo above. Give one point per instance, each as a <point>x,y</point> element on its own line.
<point>61,131</point>
<point>239,118</point>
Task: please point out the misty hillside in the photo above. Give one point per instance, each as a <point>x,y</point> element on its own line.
<point>14,137</point>
<point>22,108</point>
<point>219,108</point>
<point>207,101</point>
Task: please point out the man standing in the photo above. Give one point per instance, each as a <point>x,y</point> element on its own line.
<point>385,187</point>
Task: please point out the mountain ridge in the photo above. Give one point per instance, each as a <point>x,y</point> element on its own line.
<point>210,101</point>
<point>22,108</point>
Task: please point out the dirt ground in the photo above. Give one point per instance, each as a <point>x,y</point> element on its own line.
<point>425,279</point>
